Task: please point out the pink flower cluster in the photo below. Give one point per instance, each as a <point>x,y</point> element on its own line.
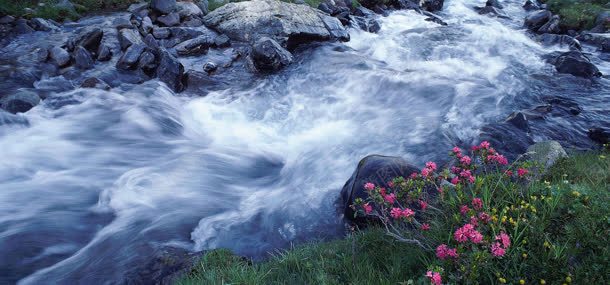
<point>497,158</point>
<point>522,172</point>
<point>443,252</point>
<point>477,203</point>
<point>435,277</point>
<point>398,213</point>
<point>369,186</point>
<point>429,169</point>
<point>468,232</point>
<point>498,248</point>
<point>367,208</point>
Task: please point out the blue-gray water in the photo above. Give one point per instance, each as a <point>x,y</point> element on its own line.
<point>92,182</point>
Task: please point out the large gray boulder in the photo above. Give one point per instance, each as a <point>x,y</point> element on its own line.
<point>288,24</point>
<point>546,153</point>
<point>20,102</point>
<point>267,55</point>
<point>90,40</point>
<point>163,6</point>
<point>129,37</point>
<point>129,59</point>
<point>82,58</point>
<point>536,20</point>
<point>577,64</point>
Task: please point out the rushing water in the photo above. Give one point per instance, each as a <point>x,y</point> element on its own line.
<point>92,183</point>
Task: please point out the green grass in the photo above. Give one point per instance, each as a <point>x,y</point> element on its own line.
<point>577,14</point>
<point>573,217</point>
<point>47,9</point>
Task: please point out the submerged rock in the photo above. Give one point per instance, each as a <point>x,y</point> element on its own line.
<point>20,102</point>
<point>286,23</point>
<point>530,5</point>
<point>577,64</point>
<point>90,40</point>
<point>552,26</point>
<point>562,40</point>
<point>493,11</point>
<point>431,5</point>
<point>599,135</point>
<point>40,24</point>
<point>104,53</point>
<point>268,55</point>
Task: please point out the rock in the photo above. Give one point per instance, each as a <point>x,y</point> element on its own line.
<point>137,7</point>
<point>577,64</point>
<point>210,67</point>
<point>151,42</point>
<point>494,3</point>
<point>104,53</point>
<point>203,5</point>
<point>552,26</point>
<point>268,55</point>
<point>531,5</point>
<point>167,265</point>
<point>22,27</point>
<point>286,23</point>
<point>222,41</point>
<point>188,9</point>
<point>601,40</point>
<point>434,18</point>
<point>599,135</point>
<point>129,59</point>
<point>94,82</point>
<point>122,23</point>
<point>171,71</point>
<point>41,54</point>
<point>19,102</point>
<point>507,138</point>
<point>518,120</point>
<point>129,37</point>
<point>7,19</point>
<point>562,40</point>
<point>147,62</point>
<point>40,24</point>
<point>545,154</point>
<point>169,20</point>
<point>361,11</point>
<point>163,6</point>
<point>59,56</point>
<point>490,10</point>
<point>196,46</point>
<point>431,5</point>
<point>82,58</point>
<point>603,20</point>
<point>181,34</point>
<point>536,20</point>
<point>147,25</point>
<point>90,40</point>
<point>161,33</point>
<point>193,23</point>
<point>408,5</point>
<point>365,24</point>
<point>376,169</point>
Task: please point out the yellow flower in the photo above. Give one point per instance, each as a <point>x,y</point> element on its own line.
<point>504,219</point>
<point>602,156</point>
<point>542,281</point>
<point>502,280</point>
<point>524,255</point>
<point>569,279</point>
<point>521,281</point>
<point>576,193</point>
<point>547,244</point>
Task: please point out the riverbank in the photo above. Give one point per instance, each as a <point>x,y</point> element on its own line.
<point>566,242</point>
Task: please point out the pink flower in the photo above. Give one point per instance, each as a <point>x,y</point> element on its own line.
<point>425,172</point>
<point>474,221</point>
<point>475,236</point>
<point>455,180</point>
<point>431,165</point>
<point>391,184</point>
<point>413,175</point>
<point>465,173</point>
<point>484,144</point>
<point>460,235</point>
<point>497,250</point>
<point>456,149</point>
<point>391,198</point>
<point>396,213</point>
<point>484,217</point>
<point>423,205</point>
<point>425,227</point>
<point>367,208</point>
<point>464,210</point>
<point>467,232</point>
<point>522,172</point>
<point>477,203</point>
<point>369,186</point>
<point>382,191</point>
<point>435,277</point>
<point>455,170</point>
<point>465,160</point>
<point>443,252</point>
<point>474,148</point>
<point>504,238</point>
<point>407,213</point>
<point>508,173</point>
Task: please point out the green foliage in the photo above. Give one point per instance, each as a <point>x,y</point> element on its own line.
<point>47,8</point>
<point>577,14</point>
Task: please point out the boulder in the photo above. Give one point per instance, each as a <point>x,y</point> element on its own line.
<point>222,41</point>
<point>545,154</point>
<point>431,5</point>
<point>147,25</point>
<point>286,23</point>
<point>82,58</point>
<point>434,18</point>
<point>171,71</point>
<point>519,120</point>
<point>188,9</point>
<point>104,53</point>
<point>577,64</point>
<point>41,54</point>
<point>203,5</point>
<point>163,6</point>
<point>267,55</point>
<point>151,42</point>
<point>210,67</point>
<point>147,62</point>
<point>508,138</point>
<point>129,59</point>
<point>361,11</point>
<point>193,22</point>
<point>22,27</point>
<point>89,39</point>
<point>161,33</point>
<point>59,56</point>
<point>562,40</point>
<point>137,7</point>
<point>530,5</point>
<point>181,34</point>
<point>196,46</point>
<point>7,19</point>
<point>536,20</point>
<point>365,24</point>
<point>40,24</point>
<point>599,39</point>
<point>20,102</point>
<point>376,169</point>
<point>493,11</point>
<point>551,27</point>
<point>129,37</point>
<point>599,134</point>
<point>494,3</point>
<point>169,20</point>
<point>122,23</point>
<point>94,82</point>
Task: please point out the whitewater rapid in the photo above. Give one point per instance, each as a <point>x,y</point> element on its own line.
<point>93,182</point>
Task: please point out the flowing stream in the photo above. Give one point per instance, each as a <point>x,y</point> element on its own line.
<point>92,182</point>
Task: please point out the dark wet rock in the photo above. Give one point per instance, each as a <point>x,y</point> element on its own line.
<point>434,18</point>
<point>163,6</point>
<point>530,5</point>
<point>59,56</point>
<point>171,71</point>
<point>407,5</point>
<point>19,102</point>
<point>7,19</point>
<point>188,9</point>
<point>376,169</point>
<point>169,20</point>
<point>94,82</point>
<point>552,26</point>
<point>203,5</point>
<point>22,27</point>
<point>151,42</point>
<point>193,23</point>
<point>222,41</point>
<point>41,54</point>
<point>181,34</point>
<point>66,5</point>
<point>90,40</point>
<point>536,20</point>
<point>602,22</point>
<point>599,135</point>
<point>196,46</point>
<point>493,11</point>
<point>431,5</point>
<point>577,64</point>
<point>147,62</point>
<point>267,55</point>
<point>210,67</point>
<point>366,24</point>
<point>40,24</point>
<point>129,37</point>
<point>104,53</point>
<point>122,23</point>
<point>129,59</point>
<point>362,11</point>
<point>286,23</point>
<point>562,40</point>
<point>146,25</point>
<point>82,58</point>
<point>519,120</point>
<point>137,7</point>
<point>161,33</point>
<point>598,39</point>
<point>507,138</point>
<point>545,154</point>
<point>494,3</point>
